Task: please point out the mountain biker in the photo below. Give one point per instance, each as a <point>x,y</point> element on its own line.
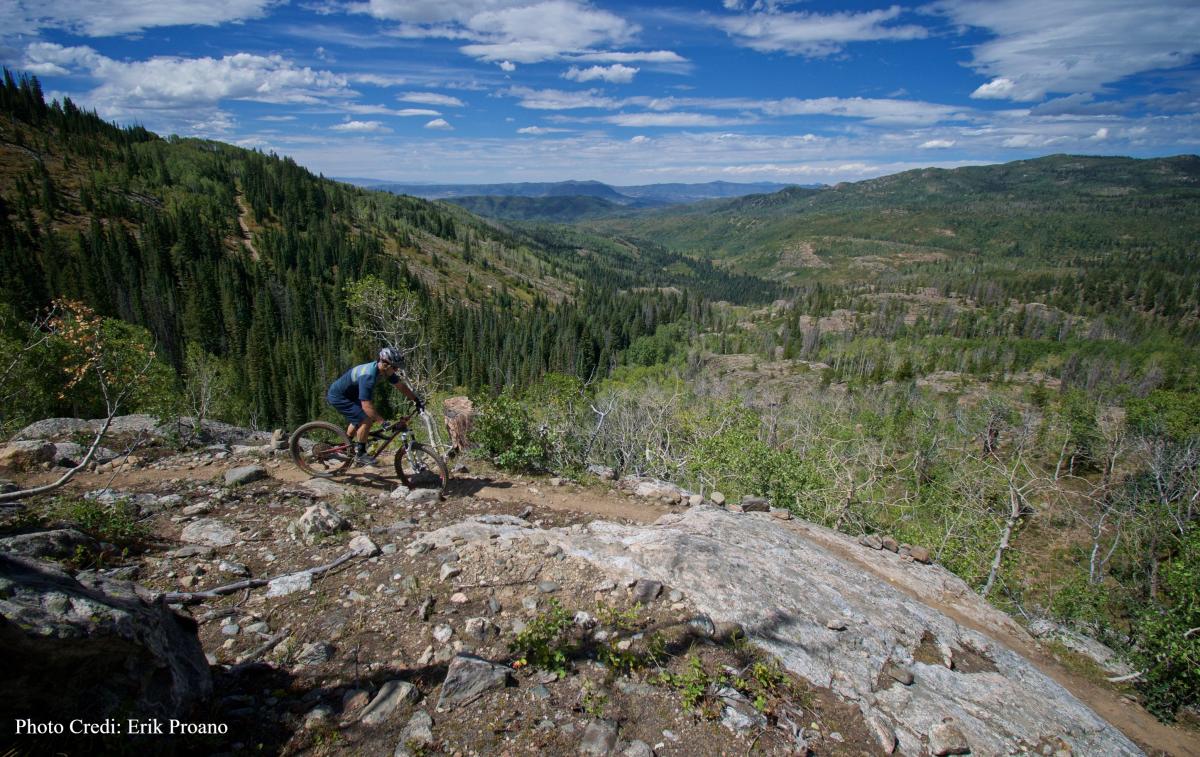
<point>351,396</point>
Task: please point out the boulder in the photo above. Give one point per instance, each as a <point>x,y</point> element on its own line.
<point>317,522</point>
<point>23,455</point>
<point>599,738</point>
<point>246,474</point>
<point>59,544</point>
<point>209,532</point>
<point>468,678</point>
<point>125,654</point>
<point>602,472</point>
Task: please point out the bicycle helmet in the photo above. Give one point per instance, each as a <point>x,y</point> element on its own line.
<point>392,356</point>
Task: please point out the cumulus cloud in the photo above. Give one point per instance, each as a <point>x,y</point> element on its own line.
<point>937,144</point>
<point>104,18</point>
<point>814,35</point>
<point>507,65</point>
<point>614,74</point>
<point>521,31</point>
<point>170,82</point>
<point>430,98</point>
<point>361,127</point>
<point>439,124</point>
<point>1073,46</point>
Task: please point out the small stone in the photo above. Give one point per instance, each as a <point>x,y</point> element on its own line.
<point>717,498</point>
<point>231,629</point>
<point>945,738</point>
<point>899,673</point>
<point>197,509</point>
<point>646,591</point>
<point>920,554</point>
<point>530,604</point>
<point>781,514</point>
<point>675,596</point>
<point>540,692</point>
<point>459,598</point>
<point>870,541</point>
<point>442,633</point>
<point>694,500</point>
<point>422,497</point>
<point>638,748</point>
<point>702,627</point>
<point>449,571</point>
<point>752,504</point>
<point>318,717</point>
<point>391,695</point>
<point>584,620</point>
<point>547,587</point>
<point>418,733</point>
<point>468,678</point>
<point>599,738</point>
<point>233,568</point>
<point>259,628</point>
<point>890,544</point>
<point>245,475</point>
<point>552,551</point>
<point>362,546</point>
<point>315,653</point>
<point>556,481</point>
<point>883,733</point>
<point>289,584</point>
<point>836,624</point>
<point>400,492</point>
<point>479,629</point>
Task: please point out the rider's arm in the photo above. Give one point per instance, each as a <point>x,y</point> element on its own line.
<point>369,408</point>
<point>412,396</point>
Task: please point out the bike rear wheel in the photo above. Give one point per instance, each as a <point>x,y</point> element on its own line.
<point>321,449</point>
<point>419,467</point>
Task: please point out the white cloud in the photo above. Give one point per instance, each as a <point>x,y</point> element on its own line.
<point>640,139</point>
<point>652,56</point>
<point>277,118</point>
<point>170,83</point>
<point>430,98</point>
<point>536,130</point>
<point>670,119</point>
<point>1100,135</point>
<point>507,65</point>
<point>937,144</point>
<point>383,110</point>
<point>615,74</point>
<point>104,18</point>
<point>362,127</point>
<point>814,35</point>
<point>379,80</point>
<point>506,31</point>
<point>439,124</point>
<point>557,99</point>
<point>1074,46</point>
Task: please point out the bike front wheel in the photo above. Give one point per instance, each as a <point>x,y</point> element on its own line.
<point>321,449</point>
<point>419,467</point>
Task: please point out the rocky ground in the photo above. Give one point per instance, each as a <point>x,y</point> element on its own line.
<point>423,640</point>
<point>514,615</point>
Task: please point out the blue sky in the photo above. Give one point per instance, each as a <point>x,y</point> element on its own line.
<point>629,93</point>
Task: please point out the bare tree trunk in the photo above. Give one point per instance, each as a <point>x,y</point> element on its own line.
<point>1014,515</point>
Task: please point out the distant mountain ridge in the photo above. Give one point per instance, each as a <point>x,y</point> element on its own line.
<point>642,195</point>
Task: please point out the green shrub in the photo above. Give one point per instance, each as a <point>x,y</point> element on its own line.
<point>505,433</point>
<point>1166,642</point>
<point>115,522</point>
<point>543,643</point>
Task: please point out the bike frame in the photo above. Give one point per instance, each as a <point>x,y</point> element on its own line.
<point>399,429</point>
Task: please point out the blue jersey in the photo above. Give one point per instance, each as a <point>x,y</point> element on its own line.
<point>358,383</point>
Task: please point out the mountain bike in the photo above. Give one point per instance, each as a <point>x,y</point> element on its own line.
<point>322,449</point>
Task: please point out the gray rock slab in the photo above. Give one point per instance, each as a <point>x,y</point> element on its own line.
<point>60,543</point>
<point>599,738</point>
<point>723,561</point>
<point>468,678</point>
<point>323,487</point>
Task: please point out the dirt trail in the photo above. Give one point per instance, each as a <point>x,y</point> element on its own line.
<point>1135,722</point>
<point>247,237</point>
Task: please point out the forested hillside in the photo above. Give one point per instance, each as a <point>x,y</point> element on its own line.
<point>244,262</point>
